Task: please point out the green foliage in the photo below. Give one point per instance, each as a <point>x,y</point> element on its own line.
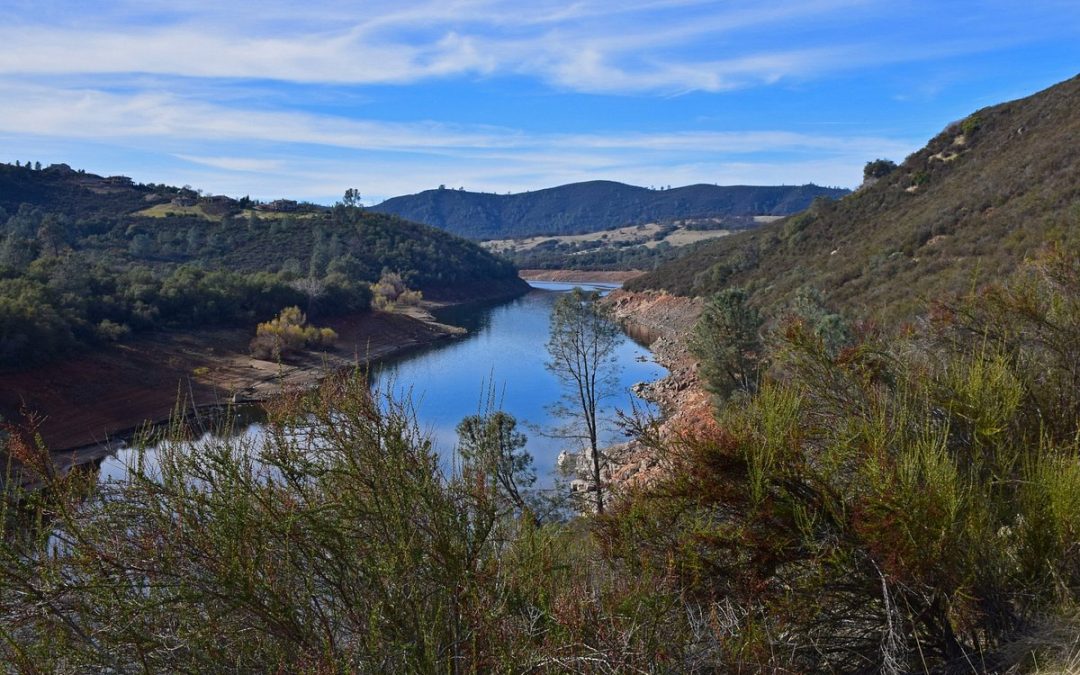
<point>905,503</point>
<point>727,343</point>
<point>351,198</point>
<point>592,207</point>
<point>492,445</point>
<point>898,503</point>
<point>879,168</point>
<point>971,124</point>
<point>89,268</point>
<point>337,543</point>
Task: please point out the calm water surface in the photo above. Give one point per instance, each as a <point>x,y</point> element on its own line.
<point>505,348</point>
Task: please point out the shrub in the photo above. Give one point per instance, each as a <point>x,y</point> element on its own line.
<point>904,503</point>
<point>879,168</point>
<point>971,124</point>
<point>337,543</point>
<point>289,333</point>
<point>391,291</point>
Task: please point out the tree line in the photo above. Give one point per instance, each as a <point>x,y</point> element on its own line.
<point>67,282</point>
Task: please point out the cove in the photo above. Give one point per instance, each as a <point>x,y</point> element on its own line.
<point>505,348</point>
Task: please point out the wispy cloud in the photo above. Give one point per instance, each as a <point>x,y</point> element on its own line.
<point>602,47</point>
<point>241,164</point>
<point>89,113</point>
<point>271,143</point>
<point>275,97</point>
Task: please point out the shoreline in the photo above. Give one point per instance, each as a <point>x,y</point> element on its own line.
<point>583,276</point>
<point>684,404</point>
<point>77,405</point>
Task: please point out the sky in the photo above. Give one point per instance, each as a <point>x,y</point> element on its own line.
<point>305,99</point>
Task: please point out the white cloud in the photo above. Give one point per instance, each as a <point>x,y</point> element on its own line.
<point>242,164</point>
<point>87,113</point>
<point>589,46</point>
<point>237,150</point>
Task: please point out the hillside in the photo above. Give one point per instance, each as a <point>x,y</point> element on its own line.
<point>581,208</point>
<point>86,260</point>
<point>983,194</point>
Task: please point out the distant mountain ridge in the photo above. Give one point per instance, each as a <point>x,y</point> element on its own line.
<point>981,196</point>
<point>581,208</point>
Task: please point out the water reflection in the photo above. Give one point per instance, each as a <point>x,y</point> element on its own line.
<point>505,349</point>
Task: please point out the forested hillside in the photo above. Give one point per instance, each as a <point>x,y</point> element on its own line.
<point>580,208</point>
<point>86,259</point>
<point>981,196</point>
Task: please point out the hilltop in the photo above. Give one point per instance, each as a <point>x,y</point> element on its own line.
<point>967,208</point>
<point>581,208</point>
<point>88,260</point>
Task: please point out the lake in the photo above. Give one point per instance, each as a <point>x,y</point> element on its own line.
<point>505,348</point>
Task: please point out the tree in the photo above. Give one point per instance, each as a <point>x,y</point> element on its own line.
<point>289,332</point>
<point>491,443</point>
<point>879,168</point>
<point>351,198</point>
<point>581,349</point>
<point>727,343</point>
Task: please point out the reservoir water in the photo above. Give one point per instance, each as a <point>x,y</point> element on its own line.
<point>505,349</point>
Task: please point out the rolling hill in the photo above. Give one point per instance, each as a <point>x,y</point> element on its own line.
<point>87,260</point>
<point>580,208</point>
<point>967,208</point>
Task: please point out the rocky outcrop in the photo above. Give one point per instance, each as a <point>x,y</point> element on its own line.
<point>665,321</point>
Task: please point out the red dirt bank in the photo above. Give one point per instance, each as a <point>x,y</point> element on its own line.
<point>683,401</point>
<point>98,394</point>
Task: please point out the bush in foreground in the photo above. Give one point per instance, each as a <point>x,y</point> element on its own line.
<point>904,504</point>
<point>338,543</point>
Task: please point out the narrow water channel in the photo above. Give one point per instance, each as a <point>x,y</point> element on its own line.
<point>505,349</point>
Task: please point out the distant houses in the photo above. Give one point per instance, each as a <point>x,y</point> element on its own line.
<point>279,205</point>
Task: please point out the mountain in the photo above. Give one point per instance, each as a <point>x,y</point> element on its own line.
<point>86,259</point>
<point>967,208</point>
<point>580,208</point>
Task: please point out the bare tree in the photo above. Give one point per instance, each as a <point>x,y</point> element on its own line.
<point>581,349</point>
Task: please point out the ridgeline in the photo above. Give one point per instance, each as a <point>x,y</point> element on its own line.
<point>87,260</point>
<point>581,208</point>
<point>980,197</point>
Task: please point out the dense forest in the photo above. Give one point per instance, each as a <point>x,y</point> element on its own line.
<point>86,260</point>
<point>982,195</point>
<point>580,208</point>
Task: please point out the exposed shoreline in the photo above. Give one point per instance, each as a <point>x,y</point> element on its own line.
<point>104,394</point>
<point>683,402</point>
<point>570,276</point>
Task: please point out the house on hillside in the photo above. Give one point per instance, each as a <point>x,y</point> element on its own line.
<point>280,205</point>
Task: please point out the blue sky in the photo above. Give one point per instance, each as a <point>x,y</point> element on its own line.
<point>303,100</point>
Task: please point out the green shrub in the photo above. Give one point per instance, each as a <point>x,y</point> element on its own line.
<point>902,503</point>
<point>339,542</point>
